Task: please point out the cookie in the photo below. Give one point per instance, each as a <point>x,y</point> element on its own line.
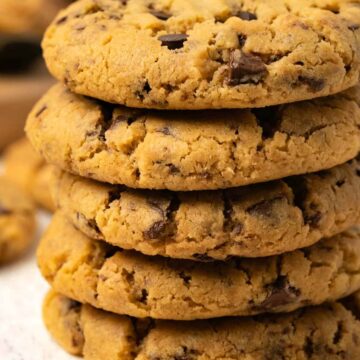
<point>205,54</point>
<point>28,16</point>
<point>17,221</point>
<point>323,332</point>
<point>184,151</point>
<point>130,283</point>
<point>251,221</point>
<point>25,167</point>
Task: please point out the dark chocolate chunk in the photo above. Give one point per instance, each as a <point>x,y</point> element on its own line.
<point>282,293</point>
<point>186,278</point>
<point>245,68</point>
<point>4,211</point>
<point>41,110</point>
<point>265,207</point>
<point>161,15</point>
<point>155,231</point>
<point>173,169</point>
<point>245,15</point>
<point>354,27</point>
<point>73,305</point>
<point>242,39</point>
<point>313,219</point>
<point>164,130</point>
<point>144,296</point>
<point>173,41</point>
<point>313,83</point>
<point>61,20</point>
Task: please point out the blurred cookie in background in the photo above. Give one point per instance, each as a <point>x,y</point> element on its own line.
<point>23,77</point>
<point>26,168</point>
<point>28,16</point>
<point>17,221</point>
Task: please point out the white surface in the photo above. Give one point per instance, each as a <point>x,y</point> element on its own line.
<point>22,333</point>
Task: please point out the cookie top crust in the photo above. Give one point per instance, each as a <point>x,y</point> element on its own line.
<point>186,54</point>
<point>185,151</point>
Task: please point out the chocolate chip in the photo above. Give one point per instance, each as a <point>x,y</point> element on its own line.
<point>173,41</point>
<point>173,169</point>
<point>242,39</point>
<point>309,347</point>
<point>161,15</point>
<point>41,110</point>
<point>144,296</point>
<point>155,231</point>
<point>73,305</point>
<point>282,293</point>
<point>186,278</point>
<point>93,225</point>
<point>245,68</point>
<point>128,116</point>
<point>164,130</point>
<point>313,83</point>
<point>146,87</point>
<point>62,20</point>
<point>313,219</point>
<point>245,15</point>
<point>354,27</point>
<point>265,207</point>
<point>4,211</point>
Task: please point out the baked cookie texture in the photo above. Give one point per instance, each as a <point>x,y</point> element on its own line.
<point>184,151</point>
<point>25,167</point>
<point>251,221</point>
<point>28,16</point>
<point>325,332</point>
<point>204,54</point>
<point>17,221</point>
<point>130,283</point>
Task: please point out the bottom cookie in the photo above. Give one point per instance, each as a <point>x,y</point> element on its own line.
<point>28,170</point>
<point>324,332</point>
<point>17,221</point>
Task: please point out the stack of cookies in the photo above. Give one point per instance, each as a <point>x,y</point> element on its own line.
<point>210,233</point>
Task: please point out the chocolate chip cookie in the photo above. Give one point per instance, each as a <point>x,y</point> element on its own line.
<point>251,221</point>
<point>205,54</point>
<point>324,332</point>
<point>130,283</point>
<point>17,221</point>
<point>184,151</point>
<point>25,167</point>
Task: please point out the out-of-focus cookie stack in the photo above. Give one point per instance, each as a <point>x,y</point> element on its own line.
<point>23,78</point>
<point>212,234</point>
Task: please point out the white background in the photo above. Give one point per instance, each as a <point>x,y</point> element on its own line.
<point>22,333</point>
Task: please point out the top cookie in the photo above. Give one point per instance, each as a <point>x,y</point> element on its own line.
<point>185,54</point>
